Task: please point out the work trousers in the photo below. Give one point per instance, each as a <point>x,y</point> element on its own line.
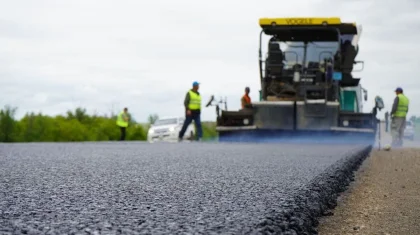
<point>197,121</point>
<point>397,131</point>
<point>122,129</point>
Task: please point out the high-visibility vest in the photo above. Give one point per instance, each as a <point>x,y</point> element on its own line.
<point>195,101</point>
<point>120,120</point>
<point>402,107</point>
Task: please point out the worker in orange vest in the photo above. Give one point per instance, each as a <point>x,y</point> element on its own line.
<point>246,100</point>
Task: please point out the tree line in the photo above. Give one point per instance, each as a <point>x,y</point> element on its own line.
<point>75,125</point>
<point>415,119</point>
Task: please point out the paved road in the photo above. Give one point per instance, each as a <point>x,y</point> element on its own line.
<point>152,188</point>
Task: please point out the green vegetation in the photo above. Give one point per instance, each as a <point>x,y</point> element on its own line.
<point>416,122</point>
<point>76,125</point>
<point>152,118</point>
<point>209,130</point>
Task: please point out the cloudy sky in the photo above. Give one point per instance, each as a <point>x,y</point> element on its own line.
<point>56,55</point>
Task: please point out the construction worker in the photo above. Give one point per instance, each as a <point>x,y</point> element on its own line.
<point>398,117</point>
<point>122,122</point>
<point>246,100</point>
<point>192,105</point>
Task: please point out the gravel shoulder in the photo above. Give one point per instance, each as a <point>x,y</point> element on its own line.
<point>383,199</point>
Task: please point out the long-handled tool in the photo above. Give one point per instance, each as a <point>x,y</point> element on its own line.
<point>379,136</point>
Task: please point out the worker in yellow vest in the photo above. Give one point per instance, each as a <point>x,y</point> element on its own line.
<point>192,105</point>
<point>122,122</point>
<point>398,115</point>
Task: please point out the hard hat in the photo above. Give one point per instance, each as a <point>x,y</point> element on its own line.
<point>399,89</point>
<point>195,83</point>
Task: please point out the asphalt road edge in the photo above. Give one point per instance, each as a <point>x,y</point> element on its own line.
<point>316,199</point>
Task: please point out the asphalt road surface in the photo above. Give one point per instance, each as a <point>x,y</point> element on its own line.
<point>113,188</point>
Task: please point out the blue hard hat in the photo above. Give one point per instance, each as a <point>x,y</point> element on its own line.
<point>399,89</point>
<point>196,83</point>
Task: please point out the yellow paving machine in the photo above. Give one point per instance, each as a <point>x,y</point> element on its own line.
<point>308,92</point>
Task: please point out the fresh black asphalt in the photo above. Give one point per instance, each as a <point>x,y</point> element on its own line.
<point>161,188</point>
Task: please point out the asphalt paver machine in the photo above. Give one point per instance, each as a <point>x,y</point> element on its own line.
<point>307,91</point>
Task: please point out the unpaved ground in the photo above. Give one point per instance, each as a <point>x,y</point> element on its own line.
<point>383,199</point>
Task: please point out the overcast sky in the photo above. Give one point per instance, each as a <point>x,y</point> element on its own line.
<point>56,55</point>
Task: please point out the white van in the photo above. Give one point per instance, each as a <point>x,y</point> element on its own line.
<point>167,129</point>
<point>409,131</point>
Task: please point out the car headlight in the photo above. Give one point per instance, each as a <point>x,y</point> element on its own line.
<point>151,131</point>
<point>171,128</point>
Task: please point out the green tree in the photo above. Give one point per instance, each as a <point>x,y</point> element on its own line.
<point>209,131</point>
<point>152,118</point>
<point>74,125</point>
<point>7,124</point>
